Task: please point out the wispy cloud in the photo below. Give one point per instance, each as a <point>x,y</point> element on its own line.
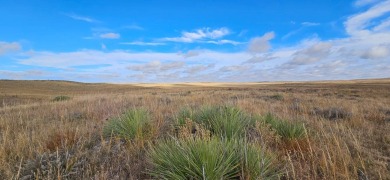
<point>6,47</point>
<point>134,27</point>
<point>304,25</point>
<point>310,24</point>
<point>157,66</point>
<point>199,34</point>
<point>81,18</point>
<point>141,43</point>
<point>357,25</point>
<point>223,41</point>
<point>259,59</point>
<point>110,35</point>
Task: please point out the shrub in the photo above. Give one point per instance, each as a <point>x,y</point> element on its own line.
<point>287,130</point>
<point>61,98</point>
<point>209,159</point>
<point>226,122</point>
<point>133,124</point>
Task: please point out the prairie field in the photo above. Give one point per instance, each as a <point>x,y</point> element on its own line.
<point>265,130</point>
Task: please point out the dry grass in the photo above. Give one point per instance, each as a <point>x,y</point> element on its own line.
<point>346,122</point>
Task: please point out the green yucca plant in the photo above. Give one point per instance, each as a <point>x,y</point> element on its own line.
<point>287,130</point>
<point>224,121</point>
<point>258,164</point>
<point>194,159</point>
<point>133,124</point>
<point>209,159</point>
<point>184,115</point>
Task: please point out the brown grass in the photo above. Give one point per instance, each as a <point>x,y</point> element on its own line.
<point>40,138</point>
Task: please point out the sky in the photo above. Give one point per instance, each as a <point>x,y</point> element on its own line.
<point>153,41</point>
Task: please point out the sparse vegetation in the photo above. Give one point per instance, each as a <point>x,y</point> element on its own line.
<point>135,132</point>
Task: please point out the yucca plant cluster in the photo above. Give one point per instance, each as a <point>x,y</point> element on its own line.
<point>224,153</point>
<point>287,130</point>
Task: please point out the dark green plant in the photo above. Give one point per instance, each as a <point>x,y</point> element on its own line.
<point>286,129</point>
<point>224,121</point>
<point>61,98</point>
<point>278,97</point>
<point>209,159</point>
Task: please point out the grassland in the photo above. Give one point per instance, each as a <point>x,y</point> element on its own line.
<point>346,128</point>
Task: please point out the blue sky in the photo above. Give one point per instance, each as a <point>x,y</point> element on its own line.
<point>194,41</point>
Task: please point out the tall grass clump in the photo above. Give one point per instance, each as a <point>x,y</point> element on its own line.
<point>133,124</point>
<point>208,159</point>
<point>287,130</point>
<point>224,121</point>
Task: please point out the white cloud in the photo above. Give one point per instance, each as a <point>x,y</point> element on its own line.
<point>141,43</point>
<point>110,36</point>
<point>199,34</point>
<point>224,41</point>
<point>104,47</point>
<point>261,44</point>
<point>259,59</point>
<point>234,68</point>
<point>6,47</point>
<point>191,53</point>
<point>157,66</point>
<point>377,52</point>
<point>312,54</point>
<point>383,26</point>
<point>357,25</point>
<point>194,70</point>
<point>82,18</point>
